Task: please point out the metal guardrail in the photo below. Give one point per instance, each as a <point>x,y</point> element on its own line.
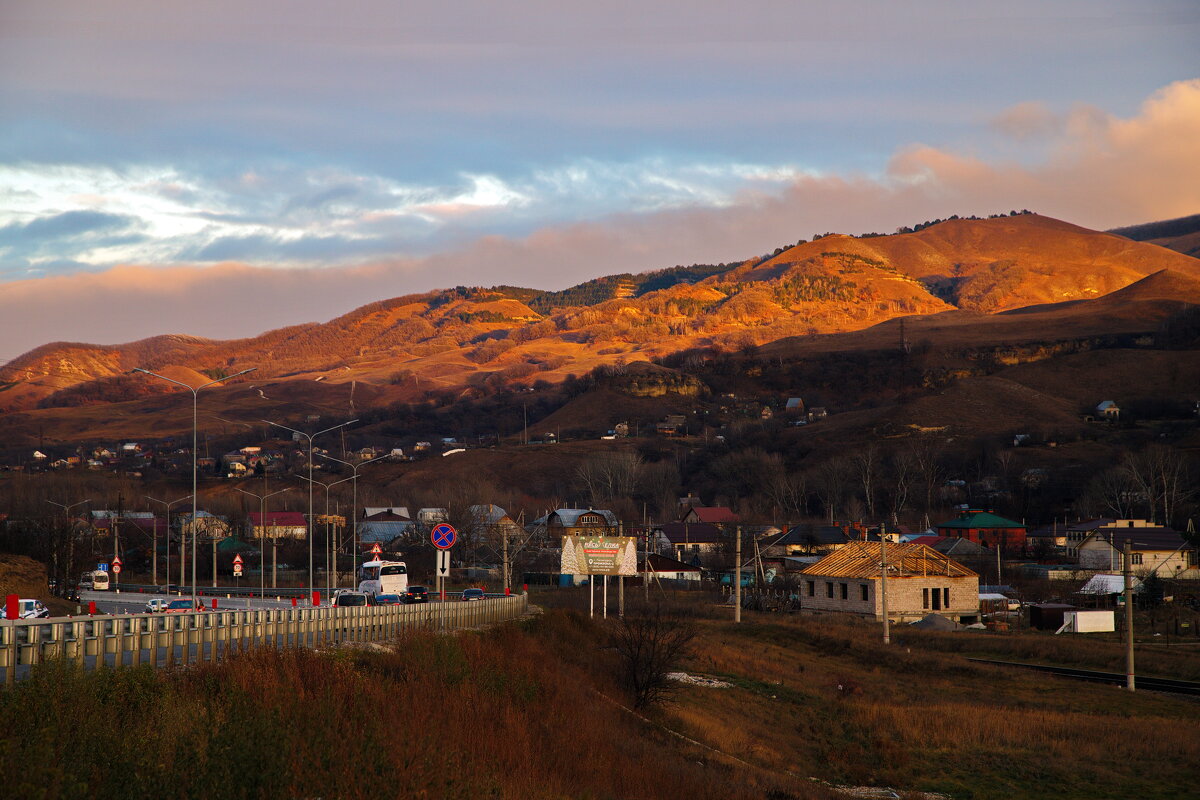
<point>165,639</point>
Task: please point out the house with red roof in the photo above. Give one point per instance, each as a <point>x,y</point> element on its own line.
<point>278,525</point>
<point>713,515</point>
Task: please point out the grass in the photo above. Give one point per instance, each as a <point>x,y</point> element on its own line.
<point>520,712</point>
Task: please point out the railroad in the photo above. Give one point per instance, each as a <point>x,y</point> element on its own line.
<point>1118,678</point>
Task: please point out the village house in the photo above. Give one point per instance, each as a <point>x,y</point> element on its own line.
<point>804,540</point>
<point>384,525</point>
<point>1152,549</point>
<point>277,525</point>
<point>985,528</point>
<point>1076,532</point>
<point>1108,411</point>
<point>713,515</point>
<point>581,522</point>
<point>920,581</point>
<point>660,568</point>
<point>691,542</point>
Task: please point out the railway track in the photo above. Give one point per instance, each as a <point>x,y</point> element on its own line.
<point>1117,678</point>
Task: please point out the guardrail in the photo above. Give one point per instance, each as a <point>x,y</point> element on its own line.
<point>165,639</point>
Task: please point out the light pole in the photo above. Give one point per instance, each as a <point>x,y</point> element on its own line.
<point>354,503</point>
<point>195,390</point>
<point>310,437</point>
<point>154,580</point>
<point>67,524</point>
<point>262,521</point>
<point>330,556</point>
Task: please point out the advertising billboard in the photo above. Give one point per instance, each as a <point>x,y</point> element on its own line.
<point>599,555</point>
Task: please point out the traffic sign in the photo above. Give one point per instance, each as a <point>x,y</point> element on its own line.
<point>102,566</point>
<point>376,549</point>
<point>443,536</point>
<point>117,561</point>
<point>116,568</point>
<point>237,560</point>
<point>443,565</point>
<point>237,565</point>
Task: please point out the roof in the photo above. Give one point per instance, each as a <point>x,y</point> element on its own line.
<point>288,518</point>
<point>663,564</point>
<point>569,517</point>
<point>715,514</point>
<point>980,519</point>
<point>1140,539</point>
<point>489,514</point>
<point>370,511</point>
<point>794,402</point>
<point>1103,583</point>
<point>862,560</point>
<point>1090,524</point>
<point>815,535</point>
<point>385,516</point>
<point>691,533</point>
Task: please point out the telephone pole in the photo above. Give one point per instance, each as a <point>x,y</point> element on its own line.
<point>1129,678</point>
<point>737,577</point>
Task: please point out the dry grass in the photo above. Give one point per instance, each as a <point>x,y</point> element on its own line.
<point>825,698</point>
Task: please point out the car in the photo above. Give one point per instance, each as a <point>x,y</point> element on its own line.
<point>472,594</point>
<point>415,594</point>
<point>387,600</point>
<point>183,606</point>
<point>348,598</point>
<point>32,609</point>
<point>156,604</point>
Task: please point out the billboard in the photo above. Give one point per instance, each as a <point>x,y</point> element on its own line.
<point>599,555</point>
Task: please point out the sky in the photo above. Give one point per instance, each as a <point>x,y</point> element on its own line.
<point>224,168</point>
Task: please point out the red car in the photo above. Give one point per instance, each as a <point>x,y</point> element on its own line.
<point>179,606</point>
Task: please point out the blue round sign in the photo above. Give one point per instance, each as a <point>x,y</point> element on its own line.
<point>443,536</point>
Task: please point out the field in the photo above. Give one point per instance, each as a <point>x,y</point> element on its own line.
<point>538,710</point>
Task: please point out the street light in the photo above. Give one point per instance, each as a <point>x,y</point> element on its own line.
<point>310,437</point>
<point>262,520</point>
<point>354,503</point>
<point>154,580</point>
<point>195,390</point>
<point>331,558</point>
<point>66,523</point>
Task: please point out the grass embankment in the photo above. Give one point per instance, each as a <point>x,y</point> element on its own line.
<point>518,712</point>
<point>501,714</point>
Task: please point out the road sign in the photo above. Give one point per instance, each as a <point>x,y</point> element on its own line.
<point>102,566</point>
<point>443,565</point>
<point>237,560</point>
<point>443,536</point>
<point>117,561</point>
<point>237,565</point>
<point>376,550</point>
<point>116,568</point>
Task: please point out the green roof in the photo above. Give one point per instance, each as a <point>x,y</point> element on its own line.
<point>232,544</point>
<point>981,519</point>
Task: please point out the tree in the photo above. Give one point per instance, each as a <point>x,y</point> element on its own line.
<point>649,646</point>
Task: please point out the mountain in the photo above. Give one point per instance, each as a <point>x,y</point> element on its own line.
<point>1181,234</point>
<point>1007,278</point>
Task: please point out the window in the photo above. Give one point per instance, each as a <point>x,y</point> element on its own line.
<point>865,592</point>
<point>829,588</point>
<point>924,598</point>
<point>845,591</point>
<point>812,588</point>
<point>936,596</point>
<point>1137,558</point>
<point>946,597</point>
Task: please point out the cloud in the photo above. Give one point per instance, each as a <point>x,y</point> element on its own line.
<point>1095,169</point>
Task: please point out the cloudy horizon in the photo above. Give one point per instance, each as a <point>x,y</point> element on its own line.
<point>221,171</point>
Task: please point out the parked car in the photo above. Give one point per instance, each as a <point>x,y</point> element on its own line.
<point>157,604</point>
<point>184,605</point>
<point>32,609</point>
<point>415,594</point>
<point>472,594</point>
<point>387,600</point>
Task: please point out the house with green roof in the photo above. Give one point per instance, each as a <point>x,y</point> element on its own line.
<point>985,528</point>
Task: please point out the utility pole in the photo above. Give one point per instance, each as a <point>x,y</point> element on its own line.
<point>737,577</point>
<point>887,634</point>
<point>1129,678</point>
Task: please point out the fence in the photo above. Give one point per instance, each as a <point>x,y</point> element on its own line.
<point>167,639</point>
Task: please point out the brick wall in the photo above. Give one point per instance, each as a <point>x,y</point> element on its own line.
<point>909,597</point>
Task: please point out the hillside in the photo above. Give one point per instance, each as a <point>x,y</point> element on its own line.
<point>1181,235</point>
<point>1008,279</point>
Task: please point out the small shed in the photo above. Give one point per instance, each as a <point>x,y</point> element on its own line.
<point>1048,616</point>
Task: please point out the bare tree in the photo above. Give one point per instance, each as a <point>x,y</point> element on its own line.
<point>649,646</point>
<point>1160,474</point>
<point>904,473</point>
<point>833,478</point>
<point>866,465</point>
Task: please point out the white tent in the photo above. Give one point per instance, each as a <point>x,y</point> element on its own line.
<point>1102,583</point>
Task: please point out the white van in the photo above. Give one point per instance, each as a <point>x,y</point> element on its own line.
<point>94,581</point>
<point>32,609</point>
